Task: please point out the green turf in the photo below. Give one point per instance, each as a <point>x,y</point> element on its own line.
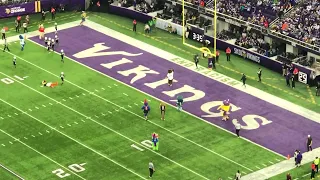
<point>185,147</point>
<point>4,174</point>
<point>273,82</point>
<point>301,173</point>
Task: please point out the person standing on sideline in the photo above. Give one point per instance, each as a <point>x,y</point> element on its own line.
<point>19,20</point>
<point>238,127</point>
<point>309,143</point>
<point>318,89</point>
<point>53,13</point>
<point>134,23</point>
<point>6,47</point>
<point>14,61</point>
<point>259,74</point>
<point>313,170</point>
<point>162,110</point>
<point>213,62</point>
<point>289,176</point>
<point>17,26</point>
<point>228,53</point>
<point>299,159</point>
<point>25,27</point>
<point>293,83</point>
<point>151,169</point>
<point>295,155</point>
<point>316,162</point>
<point>3,32</point>
<point>238,175</point>
<point>196,60</point>
<point>217,56</point>
<point>243,79</point>
<point>288,79</point>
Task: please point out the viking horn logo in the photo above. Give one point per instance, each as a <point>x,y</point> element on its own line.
<point>7,11</point>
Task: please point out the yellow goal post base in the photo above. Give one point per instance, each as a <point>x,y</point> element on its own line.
<point>202,49</point>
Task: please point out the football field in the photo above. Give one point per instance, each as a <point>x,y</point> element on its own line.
<point>92,127</point>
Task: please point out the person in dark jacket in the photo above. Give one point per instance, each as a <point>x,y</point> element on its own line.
<point>318,89</point>
<point>243,79</point>
<point>288,79</point>
<point>196,60</point>
<point>289,176</point>
<point>299,159</point>
<point>293,83</point>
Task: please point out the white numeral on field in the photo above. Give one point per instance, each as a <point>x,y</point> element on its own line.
<point>73,167</point>
<point>76,168</point>
<point>7,80</point>
<point>10,81</point>
<point>145,143</point>
<point>60,173</point>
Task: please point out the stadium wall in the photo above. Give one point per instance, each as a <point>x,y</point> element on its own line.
<point>304,74</point>
<point>37,6</point>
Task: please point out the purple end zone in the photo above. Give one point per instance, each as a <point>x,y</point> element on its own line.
<point>286,132</point>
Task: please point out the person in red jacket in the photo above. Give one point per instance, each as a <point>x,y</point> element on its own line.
<point>134,23</point>
<point>228,53</point>
<point>53,13</point>
<point>313,170</point>
<point>19,21</point>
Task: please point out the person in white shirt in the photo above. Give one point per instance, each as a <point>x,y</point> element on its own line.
<point>238,127</point>
<point>3,32</point>
<point>238,175</point>
<point>170,76</point>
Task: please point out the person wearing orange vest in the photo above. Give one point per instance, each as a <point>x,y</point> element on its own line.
<point>228,53</point>
<point>134,25</point>
<point>217,56</point>
<point>53,13</point>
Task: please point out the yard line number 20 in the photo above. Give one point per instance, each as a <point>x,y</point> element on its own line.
<point>77,168</point>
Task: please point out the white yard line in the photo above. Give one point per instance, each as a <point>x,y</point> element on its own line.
<point>40,152</point>
<point>12,172</point>
<point>93,150</point>
<point>228,159</point>
<point>116,132</point>
<point>147,95</point>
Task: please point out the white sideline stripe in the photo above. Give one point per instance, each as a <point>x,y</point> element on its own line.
<point>306,175</point>
<point>151,121</point>
<point>37,150</point>
<point>10,171</point>
<point>116,132</point>
<point>71,139</point>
